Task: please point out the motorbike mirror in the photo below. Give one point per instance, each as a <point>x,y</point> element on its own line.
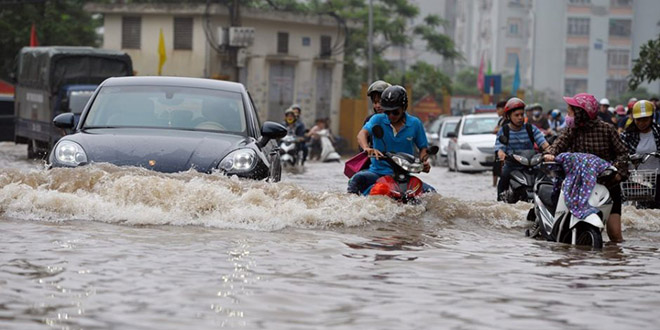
<point>64,120</point>
<point>433,150</point>
<point>503,139</point>
<point>378,131</point>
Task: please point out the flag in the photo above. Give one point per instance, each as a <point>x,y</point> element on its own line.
<point>33,36</point>
<point>490,70</point>
<point>162,56</point>
<point>480,77</point>
<point>516,78</point>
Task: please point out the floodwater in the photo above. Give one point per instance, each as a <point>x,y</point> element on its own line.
<point>126,248</point>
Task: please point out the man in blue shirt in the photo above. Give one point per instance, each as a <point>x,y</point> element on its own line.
<point>521,137</point>
<point>402,132</point>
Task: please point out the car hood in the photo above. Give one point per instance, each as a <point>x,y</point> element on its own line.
<point>161,150</point>
<point>479,140</point>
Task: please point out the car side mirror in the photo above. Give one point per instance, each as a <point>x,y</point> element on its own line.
<point>504,140</point>
<point>64,120</point>
<point>378,131</point>
<point>452,135</point>
<point>270,131</point>
<point>433,150</point>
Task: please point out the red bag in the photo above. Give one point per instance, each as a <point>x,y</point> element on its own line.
<point>356,164</point>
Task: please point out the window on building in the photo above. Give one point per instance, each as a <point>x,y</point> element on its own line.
<point>577,57</point>
<point>620,27</point>
<point>282,42</point>
<point>513,29</point>
<point>183,32</point>
<point>511,57</point>
<point>620,3</point>
<point>616,87</point>
<point>618,58</point>
<point>579,2</point>
<point>578,26</point>
<point>131,28</point>
<point>574,86</point>
<point>326,46</point>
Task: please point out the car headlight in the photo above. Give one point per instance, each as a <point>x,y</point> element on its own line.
<point>466,146</point>
<point>70,153</point>
<point>241,160</point>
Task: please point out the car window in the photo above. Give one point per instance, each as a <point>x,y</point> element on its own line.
<point>167,107</point>
<point>449,127</point>
<point>434,126</point>
<point>479,125</point>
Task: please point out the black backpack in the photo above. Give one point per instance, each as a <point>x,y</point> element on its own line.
<point>506,130</point>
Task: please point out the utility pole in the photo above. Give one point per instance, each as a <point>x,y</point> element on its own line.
<point>370,60</point>
<point>234,20</point>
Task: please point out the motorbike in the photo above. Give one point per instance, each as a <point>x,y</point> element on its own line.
<point>641,187</point>
<point>291,156</point>
<point>521,181</point>
<point>328,153</point>
<point>551,218</point>
<point>402,186</point>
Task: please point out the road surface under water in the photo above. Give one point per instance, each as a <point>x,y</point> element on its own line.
<point>108,247</point>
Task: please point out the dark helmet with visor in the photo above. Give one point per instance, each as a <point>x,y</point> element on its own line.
<point>393,98</point>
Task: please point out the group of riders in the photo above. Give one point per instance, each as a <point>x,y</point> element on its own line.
<point>310,141</point>
<point>582,130</point>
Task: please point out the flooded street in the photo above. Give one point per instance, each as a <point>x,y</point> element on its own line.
<point>108,247</point>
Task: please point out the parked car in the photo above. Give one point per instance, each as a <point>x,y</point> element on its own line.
<point>472,144</point>
<point>448,125</point>
<point>432,129</point>
<point>171,124</point>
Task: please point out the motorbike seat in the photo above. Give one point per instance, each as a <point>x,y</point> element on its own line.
<point>545,193</point>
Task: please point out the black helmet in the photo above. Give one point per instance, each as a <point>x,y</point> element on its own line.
<point>394,97</point>
<point>377,86</point>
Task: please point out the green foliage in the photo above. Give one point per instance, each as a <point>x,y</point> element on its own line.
<point>62,22</point>
<point>647,66</point>
<point>425,80</point>
<point>640,93</point>
<point>465,82</point>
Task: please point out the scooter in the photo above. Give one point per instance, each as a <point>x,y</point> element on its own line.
<point>552,219</point>
<point>401,186</point>
<point>641,187</point>
<point>328,153</point>
<point>521,181</point>
<point>290,157</point>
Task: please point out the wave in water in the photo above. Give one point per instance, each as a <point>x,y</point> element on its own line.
<point>138,196</point>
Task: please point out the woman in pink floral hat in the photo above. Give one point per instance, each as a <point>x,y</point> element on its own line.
<point>585,133</point>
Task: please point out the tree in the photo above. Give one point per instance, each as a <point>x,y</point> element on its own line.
<point>62,22</point>
<point>647,66</point>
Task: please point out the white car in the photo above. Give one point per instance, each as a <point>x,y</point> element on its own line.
<point>447,126</point>
<point>472,144</point>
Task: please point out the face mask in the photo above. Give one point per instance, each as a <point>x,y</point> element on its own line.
<point>290,120</point>
<point>570,121</point>
<point>537,113</point>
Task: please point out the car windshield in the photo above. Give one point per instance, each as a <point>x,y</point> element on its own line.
<point>479,125</point>
<point>167,107</point>
<point>449,127</point>
<point>434,126</point>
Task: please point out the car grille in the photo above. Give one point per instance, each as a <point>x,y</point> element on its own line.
<point>487,150</point>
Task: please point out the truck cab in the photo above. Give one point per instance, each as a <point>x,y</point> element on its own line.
<point>55,80</point>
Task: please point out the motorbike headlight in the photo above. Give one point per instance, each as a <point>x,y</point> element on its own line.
<point>521,160</point>
<point>70,153</point>
<point>408,166</point>
<point>466,146</point>
<point>241,160</point>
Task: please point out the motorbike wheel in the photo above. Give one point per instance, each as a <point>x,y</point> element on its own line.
<point>587,235</point>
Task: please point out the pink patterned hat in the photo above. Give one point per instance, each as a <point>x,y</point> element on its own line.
<point>584,101</point>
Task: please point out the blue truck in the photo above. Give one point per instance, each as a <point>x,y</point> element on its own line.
<point>54,80</point>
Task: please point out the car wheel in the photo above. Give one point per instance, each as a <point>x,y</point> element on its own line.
<point>275,169</point>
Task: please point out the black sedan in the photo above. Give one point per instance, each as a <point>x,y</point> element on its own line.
<point>171,124</point>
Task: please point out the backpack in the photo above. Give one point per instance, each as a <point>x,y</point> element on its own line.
<point>528,128</point>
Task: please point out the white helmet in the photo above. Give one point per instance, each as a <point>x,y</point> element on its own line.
<point>604,101</point>
<point>610,109</point>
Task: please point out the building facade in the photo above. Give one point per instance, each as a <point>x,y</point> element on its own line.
<point>564,47</point>
<point>293,58</point>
